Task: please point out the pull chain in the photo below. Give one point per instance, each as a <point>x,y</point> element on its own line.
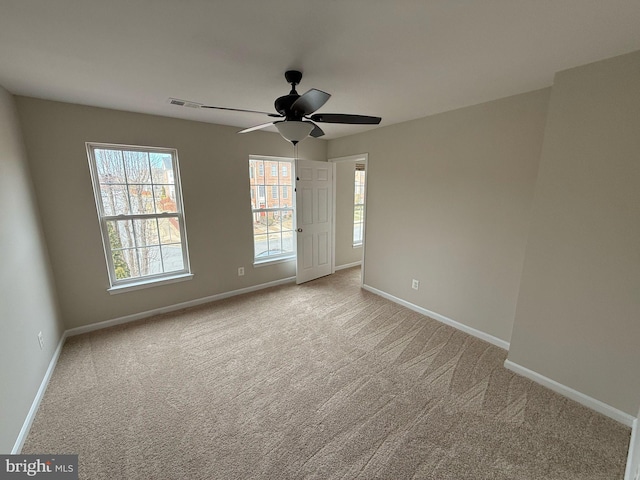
<point>295,159</point>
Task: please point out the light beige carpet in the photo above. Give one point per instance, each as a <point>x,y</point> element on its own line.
<point>322,381</point>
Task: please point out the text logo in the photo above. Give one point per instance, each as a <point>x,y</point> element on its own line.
<point>50,467</point>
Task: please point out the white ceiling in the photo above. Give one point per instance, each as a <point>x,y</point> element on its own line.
<point>398,59</point>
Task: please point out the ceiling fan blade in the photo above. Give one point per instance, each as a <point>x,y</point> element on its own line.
<point>241,110</point>
<point>257,127</point>
<point>345,118</point>
<point>310,101</point>
<point>316,132</point>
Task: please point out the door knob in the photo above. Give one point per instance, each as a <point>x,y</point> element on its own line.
<point>299,230</point>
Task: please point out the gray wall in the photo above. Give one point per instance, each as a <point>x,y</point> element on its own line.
<point>448,203</point>
<point>215,182</point>
<point>345,253</point>
<point>27,296</point>
<point>578,314</point>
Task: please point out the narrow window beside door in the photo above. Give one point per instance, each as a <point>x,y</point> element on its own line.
<point>358,206</point>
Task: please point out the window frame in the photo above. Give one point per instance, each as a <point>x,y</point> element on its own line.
<point>290,164</point>
<point>135,283</point>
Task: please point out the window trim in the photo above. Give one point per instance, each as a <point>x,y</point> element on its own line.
<point>149,283</point>
<point>122,285</point>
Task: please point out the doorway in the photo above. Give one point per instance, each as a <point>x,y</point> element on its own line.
<point>349,239</point>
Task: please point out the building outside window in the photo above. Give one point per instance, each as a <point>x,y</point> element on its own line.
<point>273,215</point>
<point>139,204</point>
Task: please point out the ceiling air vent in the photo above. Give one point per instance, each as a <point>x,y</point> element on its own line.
<point>184,103</point>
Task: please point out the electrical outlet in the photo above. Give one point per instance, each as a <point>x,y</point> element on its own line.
<point>240,271</point>
<point>415,284</point>
<point>41,340</point>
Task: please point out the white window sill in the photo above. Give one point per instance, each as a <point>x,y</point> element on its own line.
<point>149,283</point>
<point>272,261</point>
<point>357,245</point>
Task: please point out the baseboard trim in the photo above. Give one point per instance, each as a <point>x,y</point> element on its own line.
<point>171,308</point>
<point>441,318</point>
<point>26,426</point>
<point>633,457</point>
<point>347,265</point>
<point>569,392</point>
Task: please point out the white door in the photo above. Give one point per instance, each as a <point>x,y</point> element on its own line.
<point>314,207</point>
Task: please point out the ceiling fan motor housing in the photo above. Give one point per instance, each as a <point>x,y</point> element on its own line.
<point>283,106</point>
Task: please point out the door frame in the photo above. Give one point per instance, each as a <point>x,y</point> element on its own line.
<point>363,158</point>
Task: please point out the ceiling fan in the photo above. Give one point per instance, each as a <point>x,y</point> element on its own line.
<point>297,113</point>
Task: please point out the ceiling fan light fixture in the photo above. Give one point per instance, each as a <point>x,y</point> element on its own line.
<point>294,130</point>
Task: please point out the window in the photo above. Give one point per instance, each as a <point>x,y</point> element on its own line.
<point>273,216</point>
<point>358,206</point>
<point>285,170</point>
<point>139,203</point>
